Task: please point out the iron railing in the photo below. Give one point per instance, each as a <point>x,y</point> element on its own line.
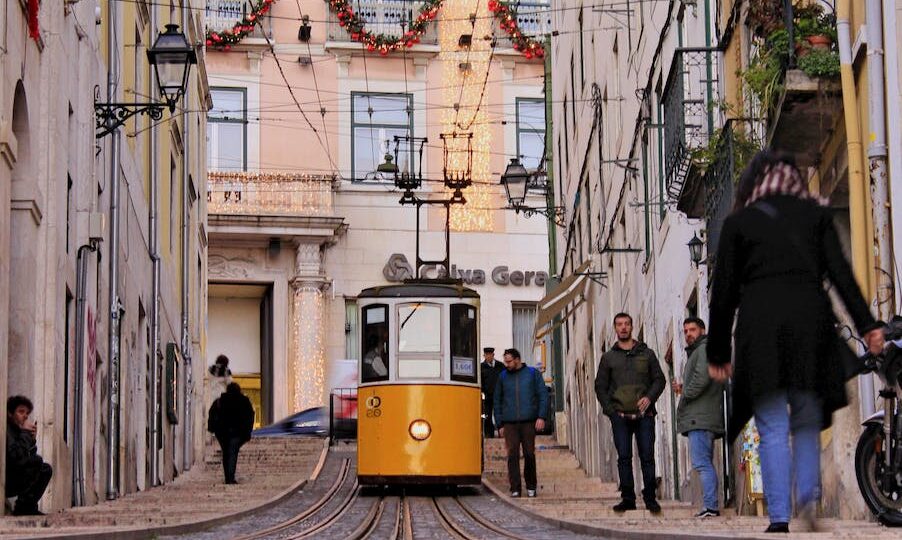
<point>342,414</point>
<point>688,118</point>
<point>533,19</point>
<point>223,14</point>
<point>388,17</point>
<point>269,193</point>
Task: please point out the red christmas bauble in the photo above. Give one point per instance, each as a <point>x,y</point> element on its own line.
<point>370,47</point>
<point>227,47</point>
<point>209,42</point>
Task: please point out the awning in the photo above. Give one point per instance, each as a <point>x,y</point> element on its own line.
<point>571,288</point>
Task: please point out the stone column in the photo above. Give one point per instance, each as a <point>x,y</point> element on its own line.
<point>308,329</point>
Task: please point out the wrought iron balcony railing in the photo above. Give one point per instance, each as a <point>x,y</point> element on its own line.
<point>388,17</point>
<point>688,117</point>
<point>533,19</point>
<point>223,14</point>
<point>249,193</point>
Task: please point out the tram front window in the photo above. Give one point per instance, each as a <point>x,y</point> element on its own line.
<point>374,366</point>
<point>463,343</point>
<point>419,341</point>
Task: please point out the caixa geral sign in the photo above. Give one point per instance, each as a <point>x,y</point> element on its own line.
<point>398,269</point>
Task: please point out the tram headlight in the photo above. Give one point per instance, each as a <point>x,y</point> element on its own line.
<point>420,430</point>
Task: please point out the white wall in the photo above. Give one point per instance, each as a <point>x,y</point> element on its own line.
<point>234,330</point>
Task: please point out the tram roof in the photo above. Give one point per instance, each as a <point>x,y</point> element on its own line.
<point>418,289</point>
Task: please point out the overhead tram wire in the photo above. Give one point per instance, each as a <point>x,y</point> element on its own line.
<point>463,80</point>
<point>259,23</point>
<point>322,110</point>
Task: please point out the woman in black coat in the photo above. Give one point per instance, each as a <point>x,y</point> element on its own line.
<point>775,250</point>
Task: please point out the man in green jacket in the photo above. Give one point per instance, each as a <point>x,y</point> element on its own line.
<point>628,383</point>
<point>700,412</point>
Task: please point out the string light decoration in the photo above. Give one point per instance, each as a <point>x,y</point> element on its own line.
<point>463,91</point>
<point>240,192</point>
<point>224,39</point>
<point>355,25</point>
<point>507,20</point>
<point>309,360</point>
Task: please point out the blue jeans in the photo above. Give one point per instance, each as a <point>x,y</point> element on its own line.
<point>776,415</point>
<point>644,430</point>
<point>701,453</point>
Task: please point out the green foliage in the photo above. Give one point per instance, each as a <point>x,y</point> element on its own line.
<point>740,144</point>
<point>764,76</point>
<point>819,63</point>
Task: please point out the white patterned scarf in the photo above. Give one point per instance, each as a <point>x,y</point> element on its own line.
<point>783,179</point>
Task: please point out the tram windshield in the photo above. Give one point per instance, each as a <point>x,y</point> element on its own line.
<point>463,343</point>
<point>419,340</point>
<point>375,365</point>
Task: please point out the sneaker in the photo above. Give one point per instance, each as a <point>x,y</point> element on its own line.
<point>653,506</point>
<point>530,493</point>
<point>515,494</point>
<point>623,506</point>
<point>707,512</point>
<point>778,527</point>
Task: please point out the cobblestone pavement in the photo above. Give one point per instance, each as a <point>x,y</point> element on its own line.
<point>568,495</point>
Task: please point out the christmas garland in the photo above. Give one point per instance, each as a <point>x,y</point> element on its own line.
<point>356,27</point>
<point>224,39</point>
<point>507,20</point>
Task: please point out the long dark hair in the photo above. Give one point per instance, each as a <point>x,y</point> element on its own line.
<point>755,171</point>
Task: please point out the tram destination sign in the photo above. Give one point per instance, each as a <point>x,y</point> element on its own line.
<point>398,268</point>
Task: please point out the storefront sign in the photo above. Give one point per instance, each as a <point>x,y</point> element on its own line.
<point>398,269</point>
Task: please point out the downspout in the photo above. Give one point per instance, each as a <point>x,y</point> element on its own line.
<point>154,253</point>
<point>112,472</point>
<point>857,188</point>
<point>81,270</point>
<point>877,156</point>
<point>187,453</point>
<point>893,118</point>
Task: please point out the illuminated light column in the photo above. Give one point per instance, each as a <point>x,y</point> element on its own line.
<point>308,329</point>
<point>463,90</point>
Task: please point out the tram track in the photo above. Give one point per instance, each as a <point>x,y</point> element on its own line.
<point>461,526</point>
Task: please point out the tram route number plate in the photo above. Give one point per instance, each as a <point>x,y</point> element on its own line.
<point>372,407</point>
<point>464,366</point>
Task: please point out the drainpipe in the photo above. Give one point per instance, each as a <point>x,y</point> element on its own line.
<point>112,472</point>
<point>187,454</point>
<point>81,271</point>
<point>154,253</point>
<point>877,157</point>
<point>893,118</point>
<point>857,186</point>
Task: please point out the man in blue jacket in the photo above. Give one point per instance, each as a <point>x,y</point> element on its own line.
<point>521,402</point>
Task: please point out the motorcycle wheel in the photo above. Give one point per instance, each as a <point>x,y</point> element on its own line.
<point>885,504</point>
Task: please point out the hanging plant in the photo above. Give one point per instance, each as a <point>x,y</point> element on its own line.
<point>355,25</point>
<point>507,20</point>
<point>224,39</point>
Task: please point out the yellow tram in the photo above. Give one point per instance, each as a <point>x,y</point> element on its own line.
<point>418,398</point>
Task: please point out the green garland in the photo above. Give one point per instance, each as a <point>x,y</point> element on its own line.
<point>507,19</point>
<point>384,44</point>
<point>224,39</point>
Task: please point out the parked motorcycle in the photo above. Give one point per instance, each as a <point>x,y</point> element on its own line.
<point>878,457</point>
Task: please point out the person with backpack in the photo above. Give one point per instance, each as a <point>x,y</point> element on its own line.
<point>521,404</point>
<point>231,419</point>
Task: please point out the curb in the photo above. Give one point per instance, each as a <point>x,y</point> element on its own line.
<point>606,532</point>
<point>136,533</point>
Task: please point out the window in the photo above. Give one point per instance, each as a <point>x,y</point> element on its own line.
<point>375,120</point>
<point>419,341</point>
<point>375,363</point>
<point>463,343</point>
<point>227,130</point>
<point>530,131</point>
<point>524,322</point>
<point>352,346</point>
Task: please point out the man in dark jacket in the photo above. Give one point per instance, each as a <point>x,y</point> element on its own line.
<point>628,383</point>
<point>489,370</point>
<point>521,401</point>
<point>231,419</point>
<point>700,412</point>
<point>27,476</point>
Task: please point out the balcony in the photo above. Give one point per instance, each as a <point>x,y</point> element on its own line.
<point>688,118</point>
<point>388,17</point>
<point>224,14</point>
<point>804,116</point>
<point>248,193</point>
<point>533,19</point>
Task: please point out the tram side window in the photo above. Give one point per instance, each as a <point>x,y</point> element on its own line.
<point>374,366</point>
<point>419,341</point>
<point>463,343</point>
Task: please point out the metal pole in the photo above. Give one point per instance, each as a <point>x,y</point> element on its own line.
<point>112,483</point>
<point>81,270</point>
<point>188,447</point>
<point>154,249</point>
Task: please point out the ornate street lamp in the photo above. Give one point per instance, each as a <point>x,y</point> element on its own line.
<point>516,181</point>
<point>171,57</point>
<point>695,250</point>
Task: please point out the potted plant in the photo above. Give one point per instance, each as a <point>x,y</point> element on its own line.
<point>813,27</point>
